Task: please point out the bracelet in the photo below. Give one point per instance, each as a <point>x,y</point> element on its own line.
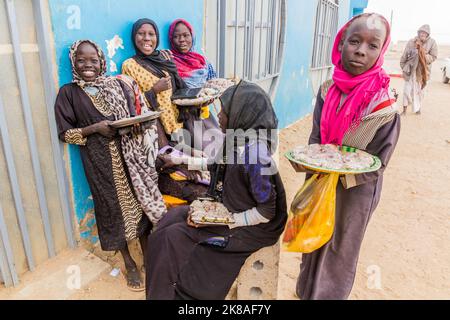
<point>246,220</point>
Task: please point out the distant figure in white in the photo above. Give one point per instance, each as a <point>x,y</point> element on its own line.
<point>416,62</point>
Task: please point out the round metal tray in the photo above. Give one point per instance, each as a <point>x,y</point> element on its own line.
<point>374,167</point>
<point>127,122</point>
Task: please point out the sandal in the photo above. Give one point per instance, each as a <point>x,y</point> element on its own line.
<point>134,281</point>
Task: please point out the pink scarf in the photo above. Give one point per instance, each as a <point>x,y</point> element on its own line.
<point>186,62</point>
<point>360,90</point>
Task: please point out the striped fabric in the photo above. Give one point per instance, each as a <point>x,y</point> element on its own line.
<point>365,132</point>
<point>370,123</point>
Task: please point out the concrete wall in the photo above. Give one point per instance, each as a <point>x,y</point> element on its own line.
<point>19,139</point>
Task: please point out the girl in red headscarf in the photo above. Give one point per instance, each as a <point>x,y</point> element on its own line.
<point>353,109</point>
<point>195,70</point>
<point>192,66</point>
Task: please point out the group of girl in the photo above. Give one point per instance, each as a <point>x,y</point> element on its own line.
<point>131,175</point>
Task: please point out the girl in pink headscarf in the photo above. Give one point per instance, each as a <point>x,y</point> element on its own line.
<point>192,66</point>
<point>353,109</point>
<point>195,70</point>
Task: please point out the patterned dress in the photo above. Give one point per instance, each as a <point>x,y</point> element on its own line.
<point>146,80</point>
<point>118,213</point>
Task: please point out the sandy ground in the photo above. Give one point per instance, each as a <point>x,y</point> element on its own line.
<point>405,253</point>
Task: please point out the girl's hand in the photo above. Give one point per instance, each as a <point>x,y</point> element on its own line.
<point>168,162</point>
<point>162,85</point>
<point>167,54</point>
<point>105,129</point>
<point>192,224</point>
<point>192,175</point>
<point>137,129</point>
<point>207,103</point>
<point>301,169</point>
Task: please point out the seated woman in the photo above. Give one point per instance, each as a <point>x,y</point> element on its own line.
<point>195,70</point>
<point>119,169</point>
<point>157,77</point>
<point>189,261</point>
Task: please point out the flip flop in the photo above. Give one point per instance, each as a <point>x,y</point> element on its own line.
<point>134,275</point>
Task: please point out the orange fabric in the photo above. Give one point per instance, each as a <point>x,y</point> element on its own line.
<point>172,202</point>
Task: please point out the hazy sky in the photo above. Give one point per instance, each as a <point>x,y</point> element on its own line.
<point>409,15</point>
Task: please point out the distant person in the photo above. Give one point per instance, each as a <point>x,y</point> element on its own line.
<point>416,61</point>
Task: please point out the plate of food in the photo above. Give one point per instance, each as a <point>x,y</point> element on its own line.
<point>221,84</point>
<point>205,95</point>
<point>334,159</point>
<point>210,213</point>
<point>127,122</point>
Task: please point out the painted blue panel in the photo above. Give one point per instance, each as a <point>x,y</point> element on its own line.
<point>79,19</point>
<point>357,7</point>
<point>294,96</point>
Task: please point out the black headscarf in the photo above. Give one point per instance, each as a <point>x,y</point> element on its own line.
<point>157,62</point>
<point>248,106</point>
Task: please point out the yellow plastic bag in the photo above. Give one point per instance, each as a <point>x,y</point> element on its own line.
<point>312,213</point>
<point>204,113</point>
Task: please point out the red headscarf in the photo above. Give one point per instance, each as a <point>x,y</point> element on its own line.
<point>186,62</point>
<point>359,90</point>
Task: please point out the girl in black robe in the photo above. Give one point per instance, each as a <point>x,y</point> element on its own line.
<point>115,166</point>
<point>188,261</point>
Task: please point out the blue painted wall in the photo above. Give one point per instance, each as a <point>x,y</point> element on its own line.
<point>78,19</point>
<point>294,96</point>
<point>357,7</point>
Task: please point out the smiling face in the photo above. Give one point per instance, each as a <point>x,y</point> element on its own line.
<point>362,45</point>
<point>182,38</point>
<point>146,39</point>
<point>87,62</point>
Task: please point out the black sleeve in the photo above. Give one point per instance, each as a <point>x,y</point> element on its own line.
<point>315,137</point>
<point>64,113</point>
<point>152,99</point>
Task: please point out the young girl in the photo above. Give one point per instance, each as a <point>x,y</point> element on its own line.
<point>157,77</point>
<point>120,169</point>
<point>155,73</point>
<point>192,66</point>
<point>195,70</point>
<point>353,109</point>
<point>186,261</point>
